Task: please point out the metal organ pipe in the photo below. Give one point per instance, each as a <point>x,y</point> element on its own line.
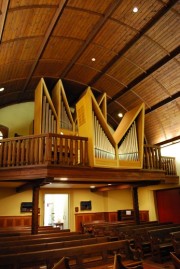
<point>102,146</point>
<point>128,149</point>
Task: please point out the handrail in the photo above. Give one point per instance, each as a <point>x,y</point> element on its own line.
<point>43,149</point>
<point>67,150</point>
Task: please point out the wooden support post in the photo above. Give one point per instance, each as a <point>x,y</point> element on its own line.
<point>136,205</point>
<point>34,227</point>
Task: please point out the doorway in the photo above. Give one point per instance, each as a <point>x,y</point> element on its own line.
<point>56,210</point>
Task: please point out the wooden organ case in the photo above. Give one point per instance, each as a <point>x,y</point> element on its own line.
<point>121,149</point>
<point>52,115</point>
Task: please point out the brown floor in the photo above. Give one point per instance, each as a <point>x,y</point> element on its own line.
<point>149,264</point>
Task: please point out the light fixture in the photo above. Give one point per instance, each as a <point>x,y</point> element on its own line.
<point>92,187</point>
<point>120,115</point>
<point>93,59</point>
<point>135,9</point>
<point>1,89</point>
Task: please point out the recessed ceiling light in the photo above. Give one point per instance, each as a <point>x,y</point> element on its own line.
<point>120,115</point>
<point>109,184</point>
<point>135,9</point>
<point>92,187</point>
<point>93,59</point>
<point>1,89</point>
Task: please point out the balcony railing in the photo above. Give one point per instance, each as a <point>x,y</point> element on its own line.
<point>44,149</point>
<point>64,150</point>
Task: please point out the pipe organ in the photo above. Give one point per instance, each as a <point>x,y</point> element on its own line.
<point>45,116</point>
<point>102,149</point>
<point>122,148</point>
<point>102,146</point>
<point>65,122</point>
<point>128,149</point>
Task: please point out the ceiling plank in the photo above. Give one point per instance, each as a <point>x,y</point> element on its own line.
<point>146,28</point>
<point>58,13</point>
<point>96,29</point>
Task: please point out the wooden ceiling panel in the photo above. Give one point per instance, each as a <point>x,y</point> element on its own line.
<point>114,36</point>
<point>113,110</point>
<point>101,55</point>
<point>124,71</point>
<point>81,73</point>
<point>151,91</point>
<point>15,71</point>
<point>20,50</point>
<point>130,100</point>
<point>147,10</point>
<point>145,53</point>
<point>167,117</point>
<point>61,48</point>
<point>27,22</point>
<point>22,3</point>
<point>49,68</point>
<point>94,6</point>
<point>154,132</point>
<point>109,85</point>
<point>166,31</point>
<point>169,76</point>
<point>75,24</point>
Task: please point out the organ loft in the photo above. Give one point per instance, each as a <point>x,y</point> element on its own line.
<point>122,148</point>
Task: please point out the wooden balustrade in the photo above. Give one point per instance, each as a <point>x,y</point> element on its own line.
<point>66,150</point>
<point>43,149</point>
<point>169,165</point>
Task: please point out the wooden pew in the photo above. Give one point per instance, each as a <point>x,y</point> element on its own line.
<point>27,231</point>
<point>36,236</point>
<point>80,257</point>
<point>62,264</point>
<point>161,243</point>
<point>175,259</point>
<point>34,241</point>
<point>176,242</point>
<point>54,245</point>
<point>119,264</point>
<point>142,240</point>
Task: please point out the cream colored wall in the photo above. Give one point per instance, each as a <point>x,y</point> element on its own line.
<point>18,118</point>
<point>10,201</point>
<point>119,199</point>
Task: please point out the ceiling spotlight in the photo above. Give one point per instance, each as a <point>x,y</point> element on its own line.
<point>93,59</point>
<point>1,89</point>
<point>120,115</point>
<point>135,9</point>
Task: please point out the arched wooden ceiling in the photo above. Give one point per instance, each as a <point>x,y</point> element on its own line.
<point>136,55</point>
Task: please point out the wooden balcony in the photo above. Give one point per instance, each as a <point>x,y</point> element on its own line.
<point>48,155</point>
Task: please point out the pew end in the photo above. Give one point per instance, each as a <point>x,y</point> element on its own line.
<point>175,259</point>
<point>120,264</point>
<point>62,264</point>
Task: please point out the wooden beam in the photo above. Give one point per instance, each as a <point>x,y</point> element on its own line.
<point>4,7</point>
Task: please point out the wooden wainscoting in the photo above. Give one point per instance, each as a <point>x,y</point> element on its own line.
<point>104,216</point>
<point>15,221</point>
